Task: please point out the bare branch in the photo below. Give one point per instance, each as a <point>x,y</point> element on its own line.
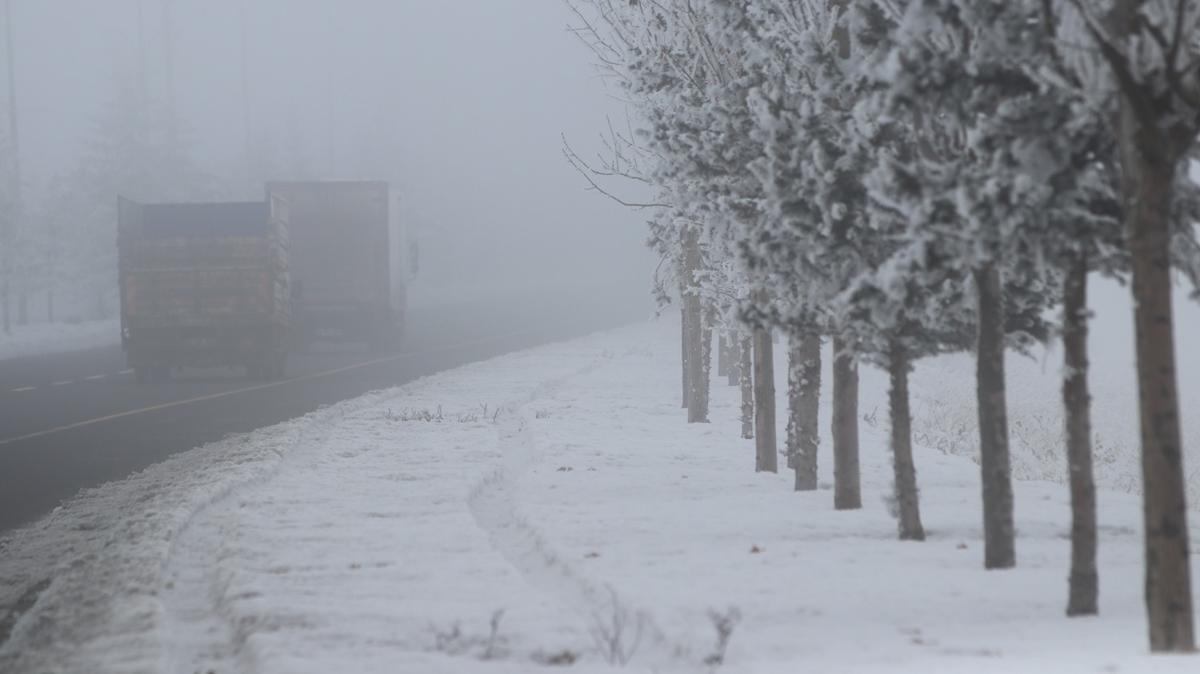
<point>585,169</point>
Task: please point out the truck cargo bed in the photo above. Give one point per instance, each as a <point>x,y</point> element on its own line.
<point>345,283</point>
<point>204,284</point>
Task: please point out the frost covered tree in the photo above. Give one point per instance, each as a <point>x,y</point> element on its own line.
<point>667,61</point>
<point>976,189</point>
<point>800,245</point>
<point>1082,235</point>
<point>9,232</point>
<point>1152,54</point>
<point>10,176</point>
<point>905,302</point>
<point>127,153</point>
<point>626,45</point>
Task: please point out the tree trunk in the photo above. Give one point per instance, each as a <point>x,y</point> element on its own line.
<point>847,490</point>
<point>1084,581</point>
<point>907,496</point>
<point>735,360</point>
<point>764,403</point>
<point>791,440</point>
<point>696,329</point>
<point>746,365</point>
<point>999,547</point>
<point>1164,497</point>
<point>804,389</point>
<point>699,362</point>
<point>683,350</point>
<point>723,356</point>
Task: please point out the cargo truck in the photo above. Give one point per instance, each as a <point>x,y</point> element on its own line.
<point>349,262</point>
<point>204,285</point>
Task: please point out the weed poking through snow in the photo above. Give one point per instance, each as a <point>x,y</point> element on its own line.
<point>617,630</point>
<point>452,640</point>
<point>724,623</point>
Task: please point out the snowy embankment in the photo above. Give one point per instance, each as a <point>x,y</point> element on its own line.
<point>550,508</point>
<point>44,338</point>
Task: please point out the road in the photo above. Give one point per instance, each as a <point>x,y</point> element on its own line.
<point>76,420</point>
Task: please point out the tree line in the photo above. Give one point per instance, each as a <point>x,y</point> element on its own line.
<point>905,178</point>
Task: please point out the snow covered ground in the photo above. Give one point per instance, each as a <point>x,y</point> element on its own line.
<point>549,508</point>
<point>44,338</point>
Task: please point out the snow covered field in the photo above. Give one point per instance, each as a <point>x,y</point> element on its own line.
<point>549,508</point>
<point>43,338</point>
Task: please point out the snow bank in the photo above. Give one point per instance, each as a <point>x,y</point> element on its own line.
<point>551,507</point>
<point>43,338</point>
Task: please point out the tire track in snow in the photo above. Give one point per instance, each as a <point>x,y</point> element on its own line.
<point>202,631</point>
<point>493,503</point>
<point>198,640</point>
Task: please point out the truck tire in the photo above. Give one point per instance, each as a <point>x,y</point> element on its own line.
<point>142,374</point>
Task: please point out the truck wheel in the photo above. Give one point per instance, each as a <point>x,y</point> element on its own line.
<point>142,374</point>
<point>162,373</point>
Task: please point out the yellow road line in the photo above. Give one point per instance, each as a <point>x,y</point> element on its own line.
<point>259,387</point>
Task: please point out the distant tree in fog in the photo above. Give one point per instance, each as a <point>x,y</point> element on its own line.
<point>128,152</point>
<point>10,232</point>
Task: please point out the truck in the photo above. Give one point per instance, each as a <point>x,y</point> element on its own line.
<point>204,285</point>
<point>349,262</point>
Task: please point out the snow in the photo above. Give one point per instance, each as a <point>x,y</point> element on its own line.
<point>560,486</point>
<point>47,338</point>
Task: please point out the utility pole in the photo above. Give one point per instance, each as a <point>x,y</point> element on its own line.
<point>14,138</point>
<point>143,83</point>
<point>246,97</point>
<point>331,115</point>
<point>169,66</point>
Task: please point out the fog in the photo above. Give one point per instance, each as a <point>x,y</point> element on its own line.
<point>461,106</point>
<point>328,336</point>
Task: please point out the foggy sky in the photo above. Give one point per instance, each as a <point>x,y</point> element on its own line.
<point>460,104</point>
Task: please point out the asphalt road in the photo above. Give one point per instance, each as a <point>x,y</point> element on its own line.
<point>76,420</point>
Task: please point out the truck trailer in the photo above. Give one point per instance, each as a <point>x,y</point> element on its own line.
<point>204,285</point>
<point>348,262</point>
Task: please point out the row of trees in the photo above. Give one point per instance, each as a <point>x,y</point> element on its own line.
<point>911,177</point>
